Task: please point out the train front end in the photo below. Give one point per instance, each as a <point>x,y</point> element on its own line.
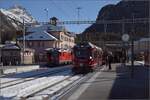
<point>83,61</point>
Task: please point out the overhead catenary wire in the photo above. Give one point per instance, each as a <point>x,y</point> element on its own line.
<point>136,20</point>
<point>60,9</point>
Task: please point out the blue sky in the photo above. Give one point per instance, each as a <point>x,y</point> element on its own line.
<point>62,9</point>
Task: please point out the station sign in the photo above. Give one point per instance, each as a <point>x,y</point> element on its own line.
<point>125,37</point>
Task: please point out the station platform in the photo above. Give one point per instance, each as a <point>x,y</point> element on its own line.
<point>17,69</point>
<point>122,82</point>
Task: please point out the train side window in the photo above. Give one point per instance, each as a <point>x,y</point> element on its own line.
<point>94,54</point>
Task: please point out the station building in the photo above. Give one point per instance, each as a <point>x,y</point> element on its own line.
<point>12,54</point>
<point>43,36</point>
<point>142,45</point>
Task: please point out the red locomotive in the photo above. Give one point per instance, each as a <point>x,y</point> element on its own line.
<point>86,57</point>
<point>59,56</point>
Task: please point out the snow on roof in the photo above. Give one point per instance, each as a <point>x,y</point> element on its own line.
<point>41,35</point>
<point>49,28</point>
<point>46,27</point>
<point>142,40</point>
<point>11,46</point>
<point>58,49</point>
<point>145,39</point>
<point>1,45</point>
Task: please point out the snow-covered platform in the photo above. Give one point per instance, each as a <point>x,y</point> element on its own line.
<point>18,69</point>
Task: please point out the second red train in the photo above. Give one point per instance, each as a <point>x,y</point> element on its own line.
<point>59,56</point>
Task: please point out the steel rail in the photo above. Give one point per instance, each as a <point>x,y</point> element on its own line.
<point>14,82</point>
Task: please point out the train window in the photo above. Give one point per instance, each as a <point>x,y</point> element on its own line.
<point>82,53</point>
<point>62,37</point>
<point>93,54</point>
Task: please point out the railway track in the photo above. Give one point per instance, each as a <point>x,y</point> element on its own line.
<point>60,94</point>
<point>57,90</point>
<point>49,86</point>
<point>14,89</point>
<point>54,85</point>
<point>30,77</point>
<point>49,91</point>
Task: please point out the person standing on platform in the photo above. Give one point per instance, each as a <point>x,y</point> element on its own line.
<point>109,60</point>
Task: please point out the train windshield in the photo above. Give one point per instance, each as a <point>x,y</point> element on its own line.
<point>53,53</point>
<point>82,53</point>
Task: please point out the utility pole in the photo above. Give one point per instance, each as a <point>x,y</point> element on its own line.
<point>24,41</point>
<point>105,32</point>
<point>123,30</point>
<point>132,50</point>
<point>46,9</point>
<point>78,9</point>
<point>78,18</point>
<point>105,27</point>
<point>0,29</point>
<point>123,45</point>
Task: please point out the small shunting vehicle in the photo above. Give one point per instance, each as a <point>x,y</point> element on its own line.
<point>86,57</point>
<point>57,56</point>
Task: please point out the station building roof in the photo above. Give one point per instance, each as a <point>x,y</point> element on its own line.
<point>41,35</point>
<point>45,27</point>
<point>11,47</point>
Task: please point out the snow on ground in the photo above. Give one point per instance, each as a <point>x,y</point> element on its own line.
<point>17,76</point>
<point>15,90</point>
<point>30,86</point>
<point>54,89</point>
<point>138,63</point>
<point>32,89</point>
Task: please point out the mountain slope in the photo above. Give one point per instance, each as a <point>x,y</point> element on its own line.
<point>11,21</point>
<point>125,9</point>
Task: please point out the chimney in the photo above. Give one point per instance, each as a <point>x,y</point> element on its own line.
<point>53,21</point>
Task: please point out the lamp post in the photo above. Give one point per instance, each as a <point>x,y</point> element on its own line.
<point>105,32</point>
<point>125,38</point>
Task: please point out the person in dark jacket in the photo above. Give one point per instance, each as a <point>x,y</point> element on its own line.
<point>109,60</point>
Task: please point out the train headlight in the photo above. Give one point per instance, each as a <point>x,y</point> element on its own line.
<point>90,60</point>
<point>90,57</point>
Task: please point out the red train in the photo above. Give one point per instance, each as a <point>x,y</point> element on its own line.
<point>59,56</point>
<point>86,57</point>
